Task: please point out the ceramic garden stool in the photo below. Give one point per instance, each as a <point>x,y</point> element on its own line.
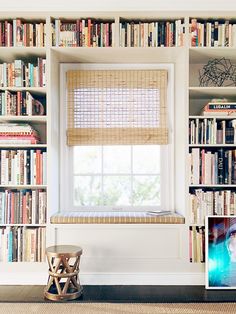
<point>63,280</point>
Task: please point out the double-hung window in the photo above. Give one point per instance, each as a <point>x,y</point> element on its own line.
<point>116,137</point>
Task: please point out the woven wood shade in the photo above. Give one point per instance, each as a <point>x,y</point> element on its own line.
<point>116,107</point>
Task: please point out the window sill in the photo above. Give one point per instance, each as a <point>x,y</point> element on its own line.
<point>74,217</point>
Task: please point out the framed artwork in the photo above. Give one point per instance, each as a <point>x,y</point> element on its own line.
<point>220,246</point>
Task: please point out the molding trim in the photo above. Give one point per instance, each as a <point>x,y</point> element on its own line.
<point>174,279</point>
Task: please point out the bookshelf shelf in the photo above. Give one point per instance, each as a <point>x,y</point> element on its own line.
<point>23,225</point>
<point>39,119</point>
<point>20,187</point>
<point>12,265</point>
<point>7,54</point>
<point>229,117</point>
<point>37,90</point>
<point>212,185</point>
<point>23,146</point>
<point>210,92</point>
<point>196,225</point>
<point>212,145</point>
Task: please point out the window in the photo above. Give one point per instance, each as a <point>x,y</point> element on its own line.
<point>106,176</point>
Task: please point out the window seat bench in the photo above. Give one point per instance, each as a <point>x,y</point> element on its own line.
<point>75,217</point>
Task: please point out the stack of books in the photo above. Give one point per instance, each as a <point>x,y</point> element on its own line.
<point>16,133</point>
<point>218,108</point>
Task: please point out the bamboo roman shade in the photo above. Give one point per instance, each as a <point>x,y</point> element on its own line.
<point>116,107</point>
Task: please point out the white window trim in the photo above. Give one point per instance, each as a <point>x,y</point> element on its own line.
<point>167,163</point>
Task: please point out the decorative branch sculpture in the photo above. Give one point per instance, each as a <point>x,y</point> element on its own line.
<point>218,72</point>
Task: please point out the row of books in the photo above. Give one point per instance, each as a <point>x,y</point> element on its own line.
<point>197,244</point>
<point>20,104</point>
<point>83,33</point>
<point>17,33</point>
<point>215,33</point>
<point>23,166</point>
<point>212,167</point>
<point>23,207</point>
<point>22,244</point>
<point>23,74</point>
<point>212,131</point>
<point>151,34</point>
<point>18,133</point>
<point>208,203</point>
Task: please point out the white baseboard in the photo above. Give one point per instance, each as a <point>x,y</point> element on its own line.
<point>39,278</point>
<point>142,279</point>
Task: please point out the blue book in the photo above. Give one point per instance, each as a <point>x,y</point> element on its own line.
<point>10,244</point>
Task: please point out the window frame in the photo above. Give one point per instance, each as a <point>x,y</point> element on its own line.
<point>167,151</point>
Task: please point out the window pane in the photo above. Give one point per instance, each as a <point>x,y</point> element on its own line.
<point>146,159</point>
<point>117,159</point>
<point>87,191</point>
<point>87,159</point>
<point>146,190</point>
<point>117,190</point>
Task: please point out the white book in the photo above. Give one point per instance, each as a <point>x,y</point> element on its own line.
<point>196,165</point>
<point>18,73</point>
<point>40,207</point>
<point>208,168</point>
<point>43,243</point>
<point>29,103</point>
<point>191,207</point>
<point>32,244</point>
<point>227,200</point>
<point>38,245</point>
<point>3,167</point>
<point>234,35</point>
<point>44,73</point>
<point>3,245</point>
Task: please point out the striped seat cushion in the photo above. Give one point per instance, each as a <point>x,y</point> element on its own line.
<point>114,218</point>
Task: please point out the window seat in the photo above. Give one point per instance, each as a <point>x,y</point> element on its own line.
<point>74,217</point>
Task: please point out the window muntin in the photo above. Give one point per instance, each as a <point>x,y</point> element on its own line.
<point>124,176</point>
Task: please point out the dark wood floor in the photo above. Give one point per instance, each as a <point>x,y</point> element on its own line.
<point>144,294</point>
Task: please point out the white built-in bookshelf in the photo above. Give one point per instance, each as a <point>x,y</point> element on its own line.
<point>23,100</point>
<point>211,146</point>
<point>109,37</point>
